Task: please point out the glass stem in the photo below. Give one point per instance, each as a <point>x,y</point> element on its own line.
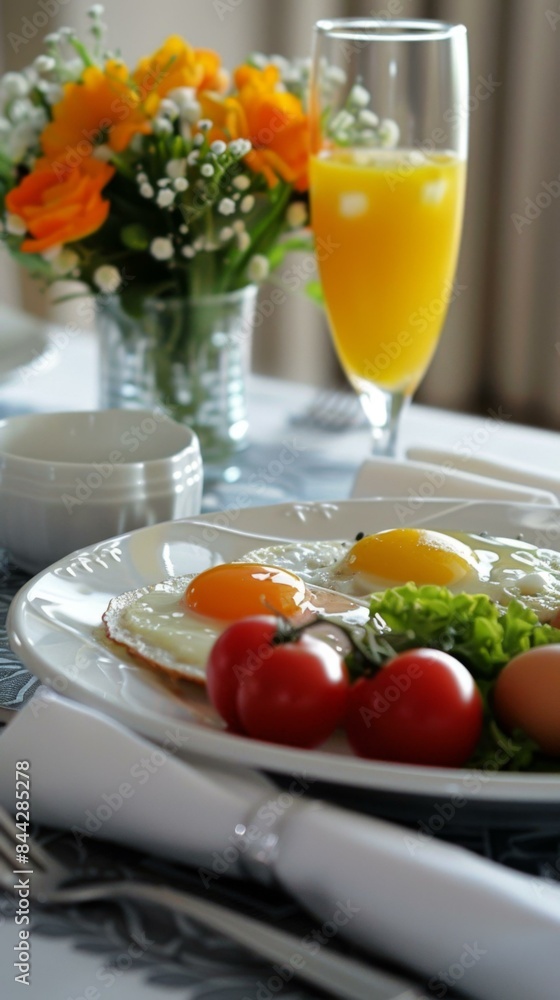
<point>383,410</point>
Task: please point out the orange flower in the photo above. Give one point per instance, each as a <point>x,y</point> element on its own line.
<point>58,211</point>
<point>176,64</point>
<point>272,119</point>
<point>102,107</point>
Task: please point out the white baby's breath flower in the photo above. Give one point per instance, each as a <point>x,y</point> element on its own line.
<point>342,121</point>
<point>176,168</point>
<point>389,133</point>
<point>65,261</point>
<point>238,226</point>
<point>141,178</point>
<point>188,251</point>
<point>218,147</point>
<point>15,225</point>
<point>52,92</point>
<point>243,241</point>
<point>198,139</point>
<point>296,216</point>
<point>180,184</point>
<point>226,234</point>
<point>163,182</point>
<point>21,110</point>
<point>207,170</point>
<point>161,248</point>
<point>146,190</point>
<point>258,268</point>
<point>259,60</point>
<point>198,244</point>
<point>14,85</point>
<point>242,182</point>
<point>367,117</point>
<point>96,10</point>
<point>168,109</point>
<point>103,153</point>
<point>183,228</point>
<point>44,64</point>
<point>226,206</point>
<point>183,97</point>
<point>193,157</point>
<point>107,279</point>
<point>165,198</point>
<point>359,96</point>
<point>52,39</point>
<point>281,63</point>
<point>248,203</point>
<point>240,147</point>
<point>190,112</point>
<point>336,75</point>
<point>205,124</point>
<point>161,126</point>
<point>51,253</point>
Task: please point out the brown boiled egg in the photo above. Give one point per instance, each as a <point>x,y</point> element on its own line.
<point>527,696</point>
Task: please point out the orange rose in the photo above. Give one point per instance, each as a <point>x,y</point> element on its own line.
<point>60,211</point>
<point>272,119</point>
<point>102,107</point>
<point>174,65</point>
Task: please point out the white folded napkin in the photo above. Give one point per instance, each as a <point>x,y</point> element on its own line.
<point>519,473</point>
<point>439,909</point>
<point>391,477</point>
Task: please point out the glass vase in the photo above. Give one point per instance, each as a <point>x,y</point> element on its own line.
<point>188,357</point>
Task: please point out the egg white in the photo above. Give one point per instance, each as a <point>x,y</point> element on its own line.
<point>154,624</point>
<point>503,568</point>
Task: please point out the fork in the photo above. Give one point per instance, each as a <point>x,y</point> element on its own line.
<point>334,973</point>
<point>332,410</point>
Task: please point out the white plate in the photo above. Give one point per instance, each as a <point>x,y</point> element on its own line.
<point>54,627</point>
<point>23,339</point>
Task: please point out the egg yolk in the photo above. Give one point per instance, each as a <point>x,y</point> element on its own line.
<point>235,590</point>
<point>412,554</point>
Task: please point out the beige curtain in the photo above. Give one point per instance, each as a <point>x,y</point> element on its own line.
<point>501,344</point>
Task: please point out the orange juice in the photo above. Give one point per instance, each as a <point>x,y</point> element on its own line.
<point>387,225</point>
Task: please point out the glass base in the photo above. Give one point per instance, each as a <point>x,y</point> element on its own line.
<point>384,410</point>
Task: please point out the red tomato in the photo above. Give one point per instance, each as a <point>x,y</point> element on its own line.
<point>422,708</point>
<point>288,692</point>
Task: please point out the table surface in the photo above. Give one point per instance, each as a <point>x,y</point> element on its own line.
<point>83,952</point>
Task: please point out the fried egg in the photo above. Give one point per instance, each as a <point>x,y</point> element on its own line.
<point>172,625</point>
<point>502,568</point>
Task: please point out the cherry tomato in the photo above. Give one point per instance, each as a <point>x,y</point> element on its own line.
<point>422,708</point>
<point>291,692</point>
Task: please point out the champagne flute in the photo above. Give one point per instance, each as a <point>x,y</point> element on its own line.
<point>389,133</point>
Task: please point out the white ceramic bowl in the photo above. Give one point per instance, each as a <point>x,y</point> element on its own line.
<point>68,480</point>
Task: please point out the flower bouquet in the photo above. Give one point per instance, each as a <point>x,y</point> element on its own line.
<point>168,191</point>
